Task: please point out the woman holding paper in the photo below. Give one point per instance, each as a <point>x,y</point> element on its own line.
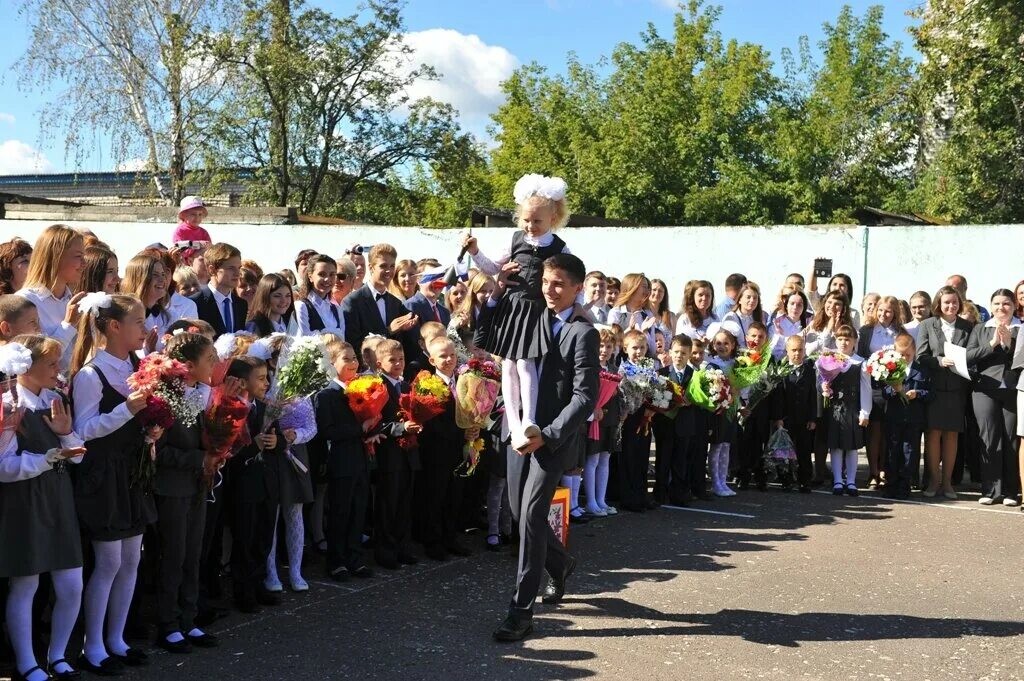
<point>990,357</point>
<point>935,338</point>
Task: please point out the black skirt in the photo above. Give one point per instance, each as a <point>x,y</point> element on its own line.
<point>38,525</point>
<point>518,329</point>
<point>947,410</point>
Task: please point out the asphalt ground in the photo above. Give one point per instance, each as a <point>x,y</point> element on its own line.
<point>766,585</point>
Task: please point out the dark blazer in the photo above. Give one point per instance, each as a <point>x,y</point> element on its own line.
<point>931,344</point>
<point>441,441</point>
<point>683,420</point>
<point>179,461</point>
<point>362,317</point>
<point>419,305</point>
<point>864,340</point>
<point>568,387</point>
<point>915,411</point>
<point>415,358</point>
<point>991,366</point>
<point>390,456</point>
<point>800,397</point>
<point>339,438</point>
<point>206,307</point>
<point>249,480</point>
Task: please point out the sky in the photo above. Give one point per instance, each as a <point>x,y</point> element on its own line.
<point>474,44</point>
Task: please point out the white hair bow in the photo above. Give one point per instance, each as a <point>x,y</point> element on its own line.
<point>93,302</point>
<point>552,188</point>
<point>15,359</point>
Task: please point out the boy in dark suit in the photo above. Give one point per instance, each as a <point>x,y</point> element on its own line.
<point>905,420</point>
<point>425,305</point>
<point>339,441</point>
<point>800,408</point>
<point>370,308</point>
<point>252,492</point>
<point>217,304</point>
<point>698,454</point>
<point>392,503</point>
<point>441,445</point>
<point>676,488</point>
<point>764,418</point>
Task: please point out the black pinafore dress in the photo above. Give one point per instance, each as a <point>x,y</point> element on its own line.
<point>109,507</point>
<point>38,524</point>
<point>518,330</point>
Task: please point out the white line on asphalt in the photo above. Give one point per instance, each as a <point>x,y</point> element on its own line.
<point>931,504</point>
<point>704,510</point>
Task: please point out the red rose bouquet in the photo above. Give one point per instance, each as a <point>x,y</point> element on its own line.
<point>367,396</point>
<point>427,398</point>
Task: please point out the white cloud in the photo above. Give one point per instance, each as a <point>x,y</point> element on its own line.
<point>18,158</point>
<point>6,118</point>
<point>131,164</point>
<point>471,71</point>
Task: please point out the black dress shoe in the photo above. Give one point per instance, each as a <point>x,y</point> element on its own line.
<point>62,676</point>
<point>457,549</point>
<point>203,641</point>
<point>264,597</point>
<point>556,586</point>
<point>210,615</point>
<point>436,552</point>
<point>177,647</point>
<point>514,628</point>
<point>407,558</point>
<point>108,667</point>
<point>387,562</point>
<point>652,504</point>
<point>338,574</point>
<point>18,676</point>
<point>362,572</point>
<point>133,657</point>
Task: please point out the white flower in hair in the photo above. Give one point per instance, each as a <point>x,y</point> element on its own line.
<point>225,346</point>
<point>261,349</point>
<point>552,188</point>
<point>15,359</point>
<point>93,302</point>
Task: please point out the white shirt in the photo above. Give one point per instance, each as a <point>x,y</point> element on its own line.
<point>561,319</point>
<point>88,389</point>
<point>684,326</point>
<point>323,307</point>
<point>52,311</point>
<point>236,324</point>
<point>778,339</point>
<point>912,328</point>
<point>493,267</point>
<point>745,320</point>
<point>816,341</point>
<point>865,388</point>
<point>381,308</point>
<point>882,337</point>
<point>180,307</point>
<point>20,464</point>
<point>947,329</point>
<point>634,320</point>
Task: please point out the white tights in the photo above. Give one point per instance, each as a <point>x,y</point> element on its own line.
<point>67,587</point>
<point>573,483</point>
<point>294,535</point>
<point>595,480</point>
<point>839,459</point>
<point>109,594</point>
<point>519,386</point>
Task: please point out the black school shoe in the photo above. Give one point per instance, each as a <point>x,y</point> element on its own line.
<point>108,667</point>
<point>514,628</point>
<point>203,641</point>
<point>61,676</point>
<point>177,647</point>
<point>133,657</point>
<point>851,490</point>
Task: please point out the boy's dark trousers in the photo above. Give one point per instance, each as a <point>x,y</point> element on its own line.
<point>347,497</point>
<point>697,455</point>
<point>180,528</point>
<point>753,439</point>
<point>903,452</point>
<point>803,443</point>
<point>633,463</point>
<point>664,445</point>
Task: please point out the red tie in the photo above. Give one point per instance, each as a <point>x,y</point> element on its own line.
<point>437,314</point>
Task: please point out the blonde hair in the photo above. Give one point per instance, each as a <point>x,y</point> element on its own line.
<point>432,330</point>
<point>381,251</point>
<point>138,275</point>
<point>92,327</point>
<point>559,211</point>
<point>40,346</point>
<point>388,346</point>
<point>184,275</point>
<point>436,341</point>
<point>631,283</point>
<point>44,266</point>
<point>334,346</point>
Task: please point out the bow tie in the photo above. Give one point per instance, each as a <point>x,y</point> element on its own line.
<point>153,311</point>
<point>379,296</point>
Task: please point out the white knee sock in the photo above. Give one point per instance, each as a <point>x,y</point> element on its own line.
<point>601,478</point>
<point>19,620</point>
<point>67,587</point>
<point>851,467</point>
<point>272,556</point>
<point>294,536</point>
<point>97,595</point>
<point>837,467</point>
<point>121,592</point>
<point>528,389</point>
<point>713,468</point>
<point>513,399</point>
<point>723,463</point>
<point>589,479</point>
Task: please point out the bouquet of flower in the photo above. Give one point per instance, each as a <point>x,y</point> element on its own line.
<point>367,396</point>
<point>751,363</point>
<point>888,368</point>
<point>830,363</point>
<point>476,391</point>
<point>774,374</point>
<point>298,415</point>
<point>303,369</point>
<point>606,390</point>
<point>638,384</point>
<point>710,389</point>
<point>162,379</point>
<point>427,398</point>
<point>779,458</point>
<point>224,431</point>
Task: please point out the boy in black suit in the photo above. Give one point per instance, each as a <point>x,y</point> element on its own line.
<point>672,476</point>
<point>764,418</point>
<point>339,441</point>
<point>370,308</point>
<point>217,304</point>
<point>392,503</point>
<point>252,492</point>
<point>905,421</point>
<point>698,451</point>
<point>441,444</point>
<point>800,408</point>
<point>416,356</point>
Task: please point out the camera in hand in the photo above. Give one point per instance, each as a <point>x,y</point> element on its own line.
<point>358,250</point>
<point>822,267</point>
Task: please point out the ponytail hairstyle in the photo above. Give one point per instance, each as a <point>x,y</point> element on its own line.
<point>187,347</point>
<point>306,285</point>
<point>94,273</point>
<point>92,327</point>
<point>49,251</point>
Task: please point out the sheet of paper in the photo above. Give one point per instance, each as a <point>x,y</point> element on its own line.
<point>959,357</point>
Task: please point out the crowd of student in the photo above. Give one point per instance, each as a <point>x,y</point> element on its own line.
<point>68,496</point>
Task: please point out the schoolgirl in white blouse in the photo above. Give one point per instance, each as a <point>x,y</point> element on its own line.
<point>697,314</point>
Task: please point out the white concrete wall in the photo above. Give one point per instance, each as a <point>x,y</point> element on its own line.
<point>896,260</point>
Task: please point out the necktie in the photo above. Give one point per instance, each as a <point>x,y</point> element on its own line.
<point>556,323</point>
<point>437,314</point>
<point>229,325</point>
